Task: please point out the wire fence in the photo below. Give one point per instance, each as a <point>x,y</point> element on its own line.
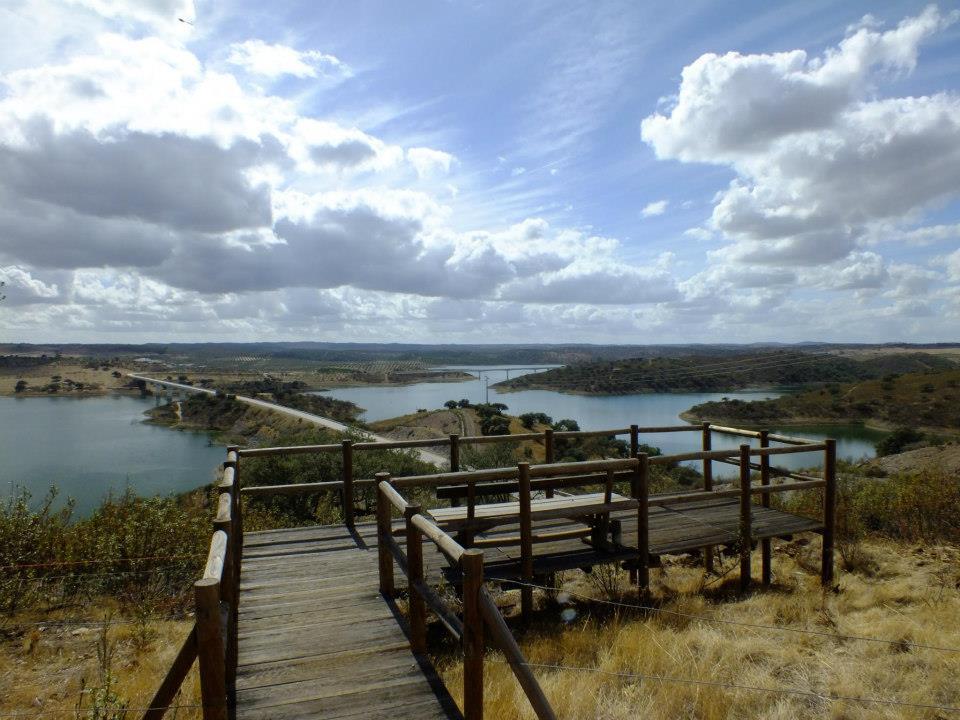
<point>755,626</point>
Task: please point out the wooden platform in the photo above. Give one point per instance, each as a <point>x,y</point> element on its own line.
<point>316,638</point>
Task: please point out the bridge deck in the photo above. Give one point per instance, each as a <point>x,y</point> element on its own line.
<point>316,638</point>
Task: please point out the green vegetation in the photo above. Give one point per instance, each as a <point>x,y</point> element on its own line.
<point>712,373</point>
<point>927,399</point>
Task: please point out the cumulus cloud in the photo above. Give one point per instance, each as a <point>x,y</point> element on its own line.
<point>819,160</point>
<point>658,207</point>
<point>428,162</point>
<point>274,61</point>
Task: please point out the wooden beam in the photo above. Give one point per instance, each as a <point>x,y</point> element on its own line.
<point>418,609</point>
<point>347,477</point>
<point>473,645</point>
<point>526,542</point>
<point>829,510</point>
<point>173,680</point>
<point>745,519</point>
<point>210,649</point>
<point>766,545</point>
<point>384,560</point>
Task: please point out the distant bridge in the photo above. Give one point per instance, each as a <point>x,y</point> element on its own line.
<point>425,455</point>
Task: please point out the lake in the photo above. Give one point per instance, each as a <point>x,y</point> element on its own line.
<point>598,412</point>
<point>90,446</point>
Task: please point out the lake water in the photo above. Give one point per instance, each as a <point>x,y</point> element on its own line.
<point>598,412</point>
<point>90,446</point>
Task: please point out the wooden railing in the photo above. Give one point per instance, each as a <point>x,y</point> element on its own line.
<point>480,612</point>
<point>213,639</point>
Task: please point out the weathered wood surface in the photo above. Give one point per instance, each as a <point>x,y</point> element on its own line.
<point>317,639</point>
<point>566,506</point>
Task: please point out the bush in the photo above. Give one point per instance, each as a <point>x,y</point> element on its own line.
<point>898,440</point>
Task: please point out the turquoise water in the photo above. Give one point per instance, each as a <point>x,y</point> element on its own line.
<point>598,412</point>
<point>88,447</point>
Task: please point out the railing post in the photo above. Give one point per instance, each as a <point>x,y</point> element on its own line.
<point>454,452</point>
<point>745,502</point>
<point>236,512</point>
<point>707,485</point>
<point>228,596</point>
<point>634,440</point>
<point>765,544</point>
<point>210,649</point>
<point>472,564</point>
<point>348,506</point>
<point>526,542</point>
<point>548,455</point>
<point>829,510</point>
<point>418,608</point>
<point>642,495</point>
<point>384,532</point>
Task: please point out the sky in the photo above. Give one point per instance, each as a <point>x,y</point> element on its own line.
<point>501,172</point>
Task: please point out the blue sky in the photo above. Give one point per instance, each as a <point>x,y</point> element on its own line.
<point>480,172</point>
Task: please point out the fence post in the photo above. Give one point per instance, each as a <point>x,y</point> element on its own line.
<point>765,544</point>
<point>829,510</point>
<point>454,452</point>
<point>384,530</point>
<point>548,455</point>
<point>348,506</point>
<point>642,494</point>
<point>707,485</point>
<point>745,502</point>
<point>526,542</point>
<point>236,513</point>
<point>634,440</point>
<point>418,609</point>
<point>228,595</point>
<point>210,650</point>
<point>472,563</point>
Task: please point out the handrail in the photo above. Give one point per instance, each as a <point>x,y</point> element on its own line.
<point>514,656</point>
<point>446,544</point>
<point>216,558</point>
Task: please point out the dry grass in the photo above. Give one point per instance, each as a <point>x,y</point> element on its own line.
<point>904,594</point>
<point>46,670</point>
<point>100,381</point>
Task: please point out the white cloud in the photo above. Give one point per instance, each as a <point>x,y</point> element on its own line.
<point>274,61</point>
<point>820,161</point>
<point>658,207</point>
<point>428,162</point>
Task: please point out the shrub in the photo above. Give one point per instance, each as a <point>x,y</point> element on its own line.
<point>898,440</point>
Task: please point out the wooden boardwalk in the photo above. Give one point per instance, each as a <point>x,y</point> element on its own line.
<point>318,640</point>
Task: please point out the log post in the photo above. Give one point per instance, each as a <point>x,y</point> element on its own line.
<point>418,608</point>
<point>634,440</point>
<point>472,564</point>
<point>745,502</point>
<point>642,494</point>
<point>236,539</point>
<point>454,452</point>
<point>210,649</point>
<point>829,510</point>
<point>348,503</point>
<point>383,536</point>
<point>229,593</point>
<point>526,542</point>
<point>707,444</point>
<point>766,545</point>
<point>548,455</point>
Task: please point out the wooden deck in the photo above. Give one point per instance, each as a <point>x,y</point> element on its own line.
<point>300,658</point>
<point>318,640</point>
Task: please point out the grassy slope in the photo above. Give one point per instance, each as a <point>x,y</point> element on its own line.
<point>910,594</point>
<point>712,373</point>
<point>914,399</point>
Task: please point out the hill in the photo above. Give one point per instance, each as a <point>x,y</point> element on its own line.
<point>926,399</point>
<point>710,373</point>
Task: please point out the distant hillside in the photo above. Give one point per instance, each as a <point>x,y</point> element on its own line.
<point>927,399</point>
<point>708,372</point>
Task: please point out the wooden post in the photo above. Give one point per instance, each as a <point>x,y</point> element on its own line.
<point>765,544</point>
<point>229,592</point>
<point>634,440</point>
<point>548,455</point>
<point>472,563</point>
<point>526,542</point>
<point>454,452</point>
<point>210,649</point>
<point>642,494</point>
<point>707,444</point>
<point>418,608</point>
<point>829,510</point>
<point>745,502</point>
<point>348,505</point>
<point>383,534</point>
<point>236,539</point>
